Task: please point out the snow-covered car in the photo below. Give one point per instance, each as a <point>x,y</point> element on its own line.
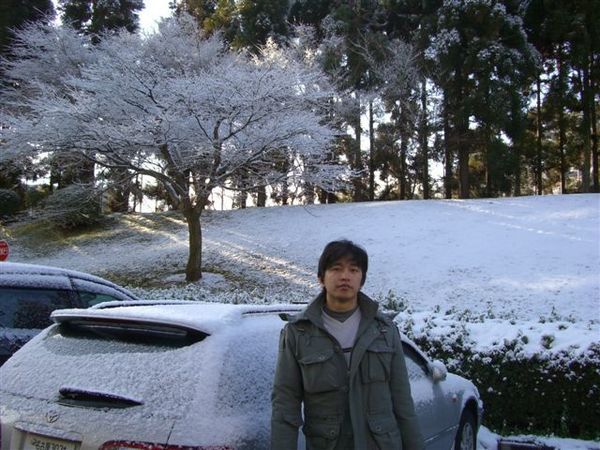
<point>181,375</point>
<point>29,293</point>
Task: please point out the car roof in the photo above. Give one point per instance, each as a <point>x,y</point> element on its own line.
<point>37,269</point>
<point>199,316</point>
<point>20,270</point>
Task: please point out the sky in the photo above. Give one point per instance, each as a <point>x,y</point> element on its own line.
<point>154,10</point>
<point>529,266</point>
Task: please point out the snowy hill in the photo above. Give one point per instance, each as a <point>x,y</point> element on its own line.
<point>525,255</point>
<point>529,263</point>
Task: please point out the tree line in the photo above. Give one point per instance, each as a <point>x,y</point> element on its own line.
<point>312,99</point>
<point>501,93</point>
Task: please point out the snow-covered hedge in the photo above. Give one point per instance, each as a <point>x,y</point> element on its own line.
<point>530,381</point>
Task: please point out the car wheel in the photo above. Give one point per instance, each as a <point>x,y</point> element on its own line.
<point>466,437</point>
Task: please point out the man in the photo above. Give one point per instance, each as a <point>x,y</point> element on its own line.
<point>342,361</point>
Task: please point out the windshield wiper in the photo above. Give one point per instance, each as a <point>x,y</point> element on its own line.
<point>94,399</point>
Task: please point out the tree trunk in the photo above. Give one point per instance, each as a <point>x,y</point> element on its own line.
<point>594,118</point>
<point>371,153</point>
<point>490,172</point>
<point>403,167</point>
<point>518,123</point>
<point>489,175</point>
<point>261,196</point>
<point>193,270</point>
<point>463,168</point>
<point>538,162</point>
<point>586,128</point>
<point>463,144</point>
<point>447,153</point>
<point>562,87</point>
<point>357,157</point>
<point>517,186</point>
<point>424,136</point>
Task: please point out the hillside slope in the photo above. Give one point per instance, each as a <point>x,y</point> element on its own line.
<point>529,256</point>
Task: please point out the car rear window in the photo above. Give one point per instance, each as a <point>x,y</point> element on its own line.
<point>145,335</point>
<point>30,308</point>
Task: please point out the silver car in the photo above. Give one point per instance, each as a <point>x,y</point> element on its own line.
<point>181,375</point>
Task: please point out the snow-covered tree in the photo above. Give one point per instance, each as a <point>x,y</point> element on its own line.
<point>176,106</point>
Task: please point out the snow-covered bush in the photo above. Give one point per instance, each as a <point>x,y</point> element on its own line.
<point>530,381</point>
<point>72,207</point>
<point>537,394</point>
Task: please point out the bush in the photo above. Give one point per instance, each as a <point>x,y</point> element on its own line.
<point>35,195</point>
<point>542,394</point>
<point>75,206</point>
<point>10,203</point>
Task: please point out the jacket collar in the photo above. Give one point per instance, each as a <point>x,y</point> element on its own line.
<point>314,311</point>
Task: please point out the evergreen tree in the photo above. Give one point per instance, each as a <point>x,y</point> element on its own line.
<point>15,13</point>
<point>565,35</point>
<point>76,13</point>
<point>115,15</point>
<point>482,51</point>
<point>261,20</point>
<point>97,17</point>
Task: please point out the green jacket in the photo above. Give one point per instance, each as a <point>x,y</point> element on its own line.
<point>311,370</point>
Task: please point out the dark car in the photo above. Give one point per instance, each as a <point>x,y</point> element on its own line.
<point>29,293</point>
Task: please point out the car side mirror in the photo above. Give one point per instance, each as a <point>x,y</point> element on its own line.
<point>438,371</point>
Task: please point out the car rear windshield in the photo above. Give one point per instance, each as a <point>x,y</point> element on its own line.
<point>150,334</point>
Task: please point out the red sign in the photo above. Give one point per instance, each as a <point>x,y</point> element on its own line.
<point>3,250</point>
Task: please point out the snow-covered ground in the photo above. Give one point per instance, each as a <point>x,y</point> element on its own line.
<point>525,265</point>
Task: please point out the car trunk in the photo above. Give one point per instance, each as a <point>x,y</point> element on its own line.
<point>94,381</point>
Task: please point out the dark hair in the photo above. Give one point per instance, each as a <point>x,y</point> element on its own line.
<point>336,250</point>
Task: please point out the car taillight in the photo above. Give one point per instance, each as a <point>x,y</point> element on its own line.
<point>131,445</point>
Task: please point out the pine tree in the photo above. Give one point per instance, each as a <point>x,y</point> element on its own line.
<point>99,16</point>
<point>482,51</point>
<point>15,13</point>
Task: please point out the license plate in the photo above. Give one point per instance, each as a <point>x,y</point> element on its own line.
<point>38,442</point>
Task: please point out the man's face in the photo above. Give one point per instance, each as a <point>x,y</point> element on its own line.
<point>342,281</point>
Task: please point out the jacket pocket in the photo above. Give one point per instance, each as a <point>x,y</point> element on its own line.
<point>293,419</point>
<point>385,432</point>
<point>321,435</point>
<point>377,362</point>
<point>319,372</point>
